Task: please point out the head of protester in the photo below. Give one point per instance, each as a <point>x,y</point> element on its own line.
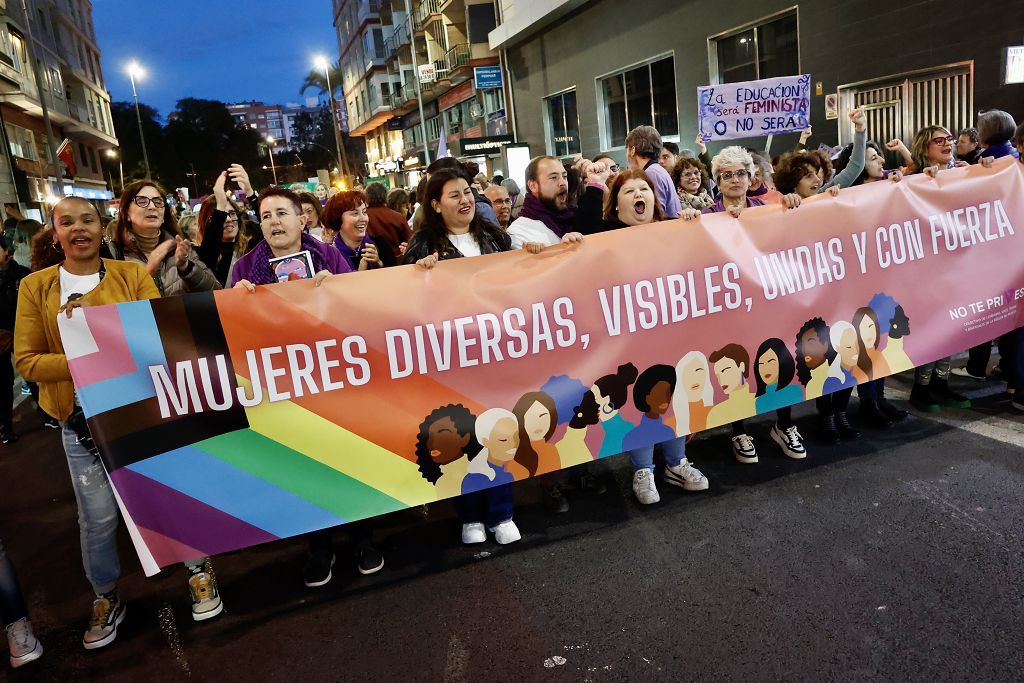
<point>346,215</point>
<point>147,233</point>
<point>931,147</point>
<point>643,150</point>
<point>874,165</point>
<point>690,178</point>
<point>546,218</point>
<point>287,252</point>
<point>669,155</point>
<point>995,131</point>
<point>388,229</point>
<point>502,203</point>
<point>732,169</point>
<point>968,146</point>
<point>399,201</point>
<point>802,172</point>
<point>451,227</point>
<point>610,164</point>
<point>631,201</point>
<point>312,214</point>
<point>762,184</point>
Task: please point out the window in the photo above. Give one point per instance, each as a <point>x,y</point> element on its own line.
<point>767,49</point>
<point>23,142</point>
<point>643,95</point>
<point>56,83</point>
<point>563,124</point>
<point>18,50</point>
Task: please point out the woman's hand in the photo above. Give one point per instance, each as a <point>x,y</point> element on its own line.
<point>791,200</point>
<point>689,214</point>
<point>859,119</point>
<point>368,257</point>
<point>402,247</point>
<point>986,162</point>
<point>734,210</point>
<point>834,190</point>
<point>68,309</point>
<point>157,256</point>
<point>699,141</point>
<point>319,278</point>
<point>428,262</point>
<point>572,237</point>
<point>598,173</point>
<point>960,163</point>
<point>246,285</point>
<point>805,135</point>
<point>533,247</point>
<point>182,248</point>
<point>238,174</point>
<point>220,193</point>
<point>896,175</point>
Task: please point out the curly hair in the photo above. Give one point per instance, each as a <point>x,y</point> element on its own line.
<point>465,424</point>
<point>919,147</point>
<point>734,155</point>
<point>793,166</point>
<point>611,199</point>
<point>684,163</point>
<point>820,328</point>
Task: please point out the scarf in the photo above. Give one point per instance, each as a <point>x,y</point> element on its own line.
<point>263,274</point>
<point>759,191</point>
<point>145,244</point>
<point>558,223</point>
<point>350,254</point>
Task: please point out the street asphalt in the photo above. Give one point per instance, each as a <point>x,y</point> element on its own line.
<point>898,557</point>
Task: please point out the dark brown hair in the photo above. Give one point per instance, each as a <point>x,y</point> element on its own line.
<point>735,353</point>
<point>433,229</point>
<point>684,163</point>
<point>793,166</point>
<point>122,233</point>
<point>311,199</point>
<point>863,360</point>
<point>268,192</point>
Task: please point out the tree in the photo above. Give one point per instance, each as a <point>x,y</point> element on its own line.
<point>126,128</point>
<point>316,80</point>
<point>203,133</point>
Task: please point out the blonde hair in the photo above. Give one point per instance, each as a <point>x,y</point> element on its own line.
<point>919,146</point>
<point>730,156</point>
<point>680,401</point>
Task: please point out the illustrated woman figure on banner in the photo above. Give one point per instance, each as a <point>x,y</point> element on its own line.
<point>731,364</point>
<point>610,392</point>
<point>813,353</point>
<point>773,371</point>
<point>444,447</point>
<point>694,396</point>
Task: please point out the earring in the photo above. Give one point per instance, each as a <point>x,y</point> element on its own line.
<point>57,247</point>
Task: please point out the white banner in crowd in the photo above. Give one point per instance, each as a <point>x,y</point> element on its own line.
<point>754,108</point>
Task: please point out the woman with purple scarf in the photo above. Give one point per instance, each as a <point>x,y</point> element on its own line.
<point>346,214</point>
<point>281,221</point>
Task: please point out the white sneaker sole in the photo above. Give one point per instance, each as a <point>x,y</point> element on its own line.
<point>746,460</point>
<point>367,572</point>
<point>111,637</point>
<point>330,575</point>
<point>32,656</point>
<point>203,616</point>
<point>675,480</point>
<point>785,449</point>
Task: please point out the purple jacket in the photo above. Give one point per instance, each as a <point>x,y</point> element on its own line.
<point>255,266</point>
<point>1003,149</point>
<point>664,188</point>
<point>719,206</point>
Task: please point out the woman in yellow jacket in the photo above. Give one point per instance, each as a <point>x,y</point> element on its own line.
<point>46,299</point>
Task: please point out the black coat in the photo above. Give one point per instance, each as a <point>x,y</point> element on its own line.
<point>492,242</point>
<point>10,281</point>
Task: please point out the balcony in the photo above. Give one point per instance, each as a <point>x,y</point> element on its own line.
<point>397,40</point>
<point>428,11</point>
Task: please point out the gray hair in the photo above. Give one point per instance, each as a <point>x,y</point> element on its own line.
<point>732,156</point>
<point>512,186</point>
<point>489,419</point>
<point>995,127</point>
<point>645,141</point>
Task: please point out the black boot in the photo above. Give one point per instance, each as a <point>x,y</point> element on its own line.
<point>846,430</point>
<point>871,413</point>
<point>922,398</point>
<point>948,397</point>
<point>827,427</point>
<point>892,412</point>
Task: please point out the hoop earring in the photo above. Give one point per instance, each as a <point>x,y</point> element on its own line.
<point>57,247</point>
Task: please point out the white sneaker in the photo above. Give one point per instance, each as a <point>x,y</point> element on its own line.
<point>686,476</point>
<point>506,532</point>
<point>23,644</point>
<point>473,533</point>
<point>643,487</point>
<point>743,449</point>
<point>790,441</point>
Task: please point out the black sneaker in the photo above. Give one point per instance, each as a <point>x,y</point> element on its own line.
<point>369,559</point>
<point>871,414</point>
<point>7,435</point>
<point>1017,403</point>
<point>845,429</point>
<point>948,397</point>
<point>922,398</point>
<point>318,569</point>
<point>555,500</point>
<point>827,429</point>
<point>591,485</point>
<point>51,423</point>
<point>892,412</point>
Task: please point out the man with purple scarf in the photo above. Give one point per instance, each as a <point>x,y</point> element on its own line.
<point>546,218</point>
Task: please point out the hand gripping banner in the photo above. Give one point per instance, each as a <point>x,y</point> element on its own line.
<point>228,419</point>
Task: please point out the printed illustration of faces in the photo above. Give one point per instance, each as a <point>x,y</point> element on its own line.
<point>695,377</point>
<point>768,367</point>
<point>848,350</point>
<point>606,410</point>
<point>659,398</point>
<point>537,421</point>
<point>445,443</point>
<point>813,349</point>
<point>502,442</point>
<point>868,332</point>
<point>729,375</point>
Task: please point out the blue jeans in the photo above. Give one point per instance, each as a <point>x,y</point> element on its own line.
<point>492,506</point>
<point>12,604</point>
<point>674,452</point>
<point>872,391</point>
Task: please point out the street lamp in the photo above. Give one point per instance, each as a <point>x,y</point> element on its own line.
<point>321,63</point>
<point>270,151</point>
<point>135,70</point>
<point>112,154</point>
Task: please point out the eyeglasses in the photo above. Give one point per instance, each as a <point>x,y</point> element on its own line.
<point>503,202</point>
<point>949,139</point>
<point>143,202</point>
<point>232,215</point>
<point>614,168</point>
<point>729,175</point>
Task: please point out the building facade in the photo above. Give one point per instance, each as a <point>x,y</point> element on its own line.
<point>586,72</point>
<point>59,36</point>
<point>396,55</point>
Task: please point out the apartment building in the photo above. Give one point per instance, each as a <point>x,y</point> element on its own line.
<point>396,54</point>
<point>62,41</point>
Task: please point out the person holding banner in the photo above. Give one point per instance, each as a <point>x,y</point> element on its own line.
<point>690,178</point>
<point>547,218</point>
<point>47,303</point>
<point>732,169</point>
<point>346,213</point>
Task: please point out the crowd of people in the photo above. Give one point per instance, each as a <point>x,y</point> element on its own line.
<point>238,239</point>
